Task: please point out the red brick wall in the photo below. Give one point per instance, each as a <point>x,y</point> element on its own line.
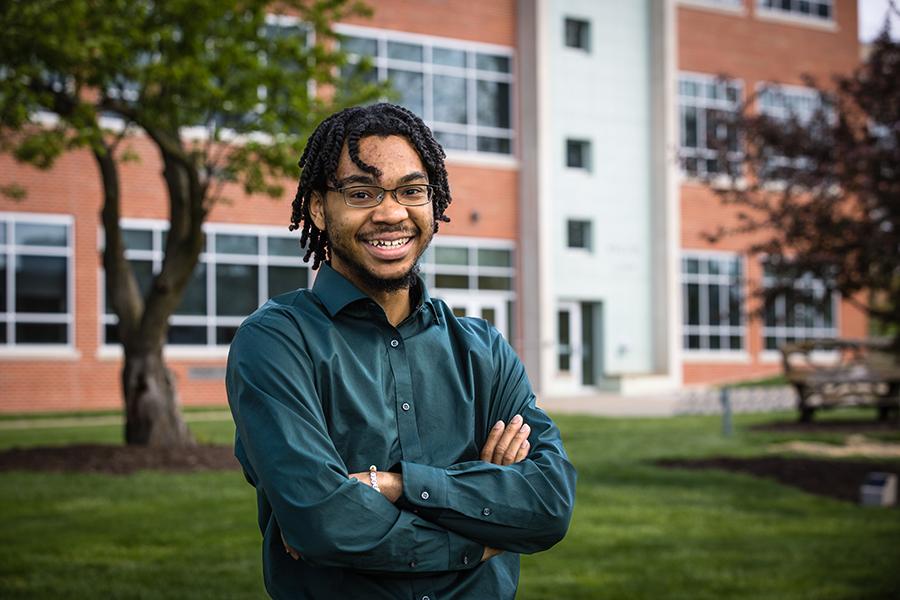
<point>755,50</point>
<point>484,205</point>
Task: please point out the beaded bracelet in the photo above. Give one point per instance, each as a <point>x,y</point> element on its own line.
<point>372,477</point>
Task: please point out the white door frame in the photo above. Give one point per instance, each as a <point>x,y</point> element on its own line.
<point>572,378</point>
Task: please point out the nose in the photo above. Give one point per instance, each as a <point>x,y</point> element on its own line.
<point>389,210</point>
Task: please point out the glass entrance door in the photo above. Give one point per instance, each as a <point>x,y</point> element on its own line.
<point>488,307</point>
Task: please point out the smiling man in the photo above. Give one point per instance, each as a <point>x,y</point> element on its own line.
<point>396,449</point>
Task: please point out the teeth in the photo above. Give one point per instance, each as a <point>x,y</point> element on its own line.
<point>388,243</point>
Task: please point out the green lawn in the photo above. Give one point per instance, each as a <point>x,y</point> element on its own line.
<point>639,531</point>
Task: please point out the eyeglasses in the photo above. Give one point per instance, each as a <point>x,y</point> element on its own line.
<point>367,196</point>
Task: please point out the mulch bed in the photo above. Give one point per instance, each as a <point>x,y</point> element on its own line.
<point>840,479</point>
<point>118,460</point>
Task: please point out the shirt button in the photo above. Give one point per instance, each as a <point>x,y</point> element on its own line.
<point>425,495</point>
<point>394,343</point>
<point>425,598</point>
<point>412,564</point>
<point>486,511</point>
<point>405,406</point>
<point>466,559</point>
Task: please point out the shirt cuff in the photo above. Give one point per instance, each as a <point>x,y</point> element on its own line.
<point>464,553</point>
<point>424,486</point>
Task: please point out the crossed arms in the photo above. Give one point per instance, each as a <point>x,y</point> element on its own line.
<point>517,497</point>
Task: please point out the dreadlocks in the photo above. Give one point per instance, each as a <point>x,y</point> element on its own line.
<point>319,163</point>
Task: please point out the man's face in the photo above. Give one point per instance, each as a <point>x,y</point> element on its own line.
<point>376,248</point>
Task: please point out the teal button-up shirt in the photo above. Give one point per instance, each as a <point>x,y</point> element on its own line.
<point>321,385</point>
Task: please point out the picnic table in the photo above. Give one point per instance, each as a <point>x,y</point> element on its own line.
<point>828,373</point>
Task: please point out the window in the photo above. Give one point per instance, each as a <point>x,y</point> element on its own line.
<point>805,312</point>
<point>579,234</point>
<point>468,265</point>
<point>815,9</point>
<point>240,269</point>
<point>578,154</point>
<point>35,280</point>
<point>706,105</point>
<point>463,91</point>
<point>712,300</point>
<point>578,34</point>
<point>784,102</point>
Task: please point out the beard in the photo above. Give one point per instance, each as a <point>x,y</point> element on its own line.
<point>340,245</point>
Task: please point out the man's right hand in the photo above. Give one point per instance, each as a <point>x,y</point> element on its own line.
<point>507,444</point>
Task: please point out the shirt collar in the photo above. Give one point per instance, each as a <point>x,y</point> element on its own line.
<point>336,292</point>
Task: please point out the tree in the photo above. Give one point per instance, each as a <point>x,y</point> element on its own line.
<point>820,192</point>
<point>157,68</point>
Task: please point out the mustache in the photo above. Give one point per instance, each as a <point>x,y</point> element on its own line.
<point>405,230</point>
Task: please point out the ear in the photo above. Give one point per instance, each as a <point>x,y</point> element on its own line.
<point>317,210</point>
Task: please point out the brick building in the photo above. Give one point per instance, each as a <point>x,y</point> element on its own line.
<point>592,98</point>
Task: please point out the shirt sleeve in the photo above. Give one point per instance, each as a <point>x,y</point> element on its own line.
<point>330,519</point>
<point>525,507</point>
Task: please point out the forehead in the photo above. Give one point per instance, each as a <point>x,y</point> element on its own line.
<point>393,155</point>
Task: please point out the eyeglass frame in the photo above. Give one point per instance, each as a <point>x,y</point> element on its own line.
<point>384,191</point>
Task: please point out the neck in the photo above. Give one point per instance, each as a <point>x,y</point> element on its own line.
<point>396,304</point>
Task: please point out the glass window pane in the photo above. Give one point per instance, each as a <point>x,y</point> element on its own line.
<point>459,311</point>
<point>693,342</point>
<point>492,62</point>
<point>493,144</point>
<point>284,246</point>
<point>236,289</point>
<point>41,284</point>
<point>715,342</point>
<point>403,51</point>
<point>689,126</point>
<point>452,141</point>
<point>410,87</point>
<point>41,234</point>
<point>456,282</point>
<point>194,300</point>
<point>41,333</point>
<point>488,257</point>
<point>448,57</point>
<point>492,99</point>
<point>2,232</point>
<point>237,244</point>
<point>489,315</point>
<point>187,335</point>
<point>490,282</point>
<point>2,283</point>
<point>450,104</point>
<point>562,326</point>
<point>286,279</point>
<point>692,265</point>
<point>112,334</point>
<point>693,302</point>
<point>715,311</point>
<point>224,335</point>
<point>143,273</point>
<point>137,239</point>
<point>734,342</point>
<point>451,255</point>
<point>358,45</point>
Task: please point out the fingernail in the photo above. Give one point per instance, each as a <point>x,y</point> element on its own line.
<point>498,425</point>
<point>525,428</point>
<point>517,419</point>
<point>526,443</point>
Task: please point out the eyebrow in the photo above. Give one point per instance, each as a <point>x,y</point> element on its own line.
<point>369,180</point>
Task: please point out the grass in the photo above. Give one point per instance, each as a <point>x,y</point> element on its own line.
<point>639,531</point>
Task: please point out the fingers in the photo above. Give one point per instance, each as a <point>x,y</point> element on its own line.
<point>523,451</point>
<point>487,452</point>
<point>294,554</point>
<point>515,424</point>
<point>509,457</point>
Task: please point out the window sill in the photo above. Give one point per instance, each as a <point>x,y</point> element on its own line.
<point>39,352</point>
<point>713,356</point>
<point>776,16</point>
<point>713,6</point>
<point>215,353</point>
<point>482,159</point>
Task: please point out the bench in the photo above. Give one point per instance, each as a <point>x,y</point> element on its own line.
<point>828,373</point>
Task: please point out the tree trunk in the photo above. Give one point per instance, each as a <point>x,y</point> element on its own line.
<point>152,417</point>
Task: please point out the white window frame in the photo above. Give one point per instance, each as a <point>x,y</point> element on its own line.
<point>590,33</point>
<point>730,7</point>
<point>724,282</point>
<point>262,260</point>
<point>11,250</point>
<point>471,74</point>
<point>702,153</point>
